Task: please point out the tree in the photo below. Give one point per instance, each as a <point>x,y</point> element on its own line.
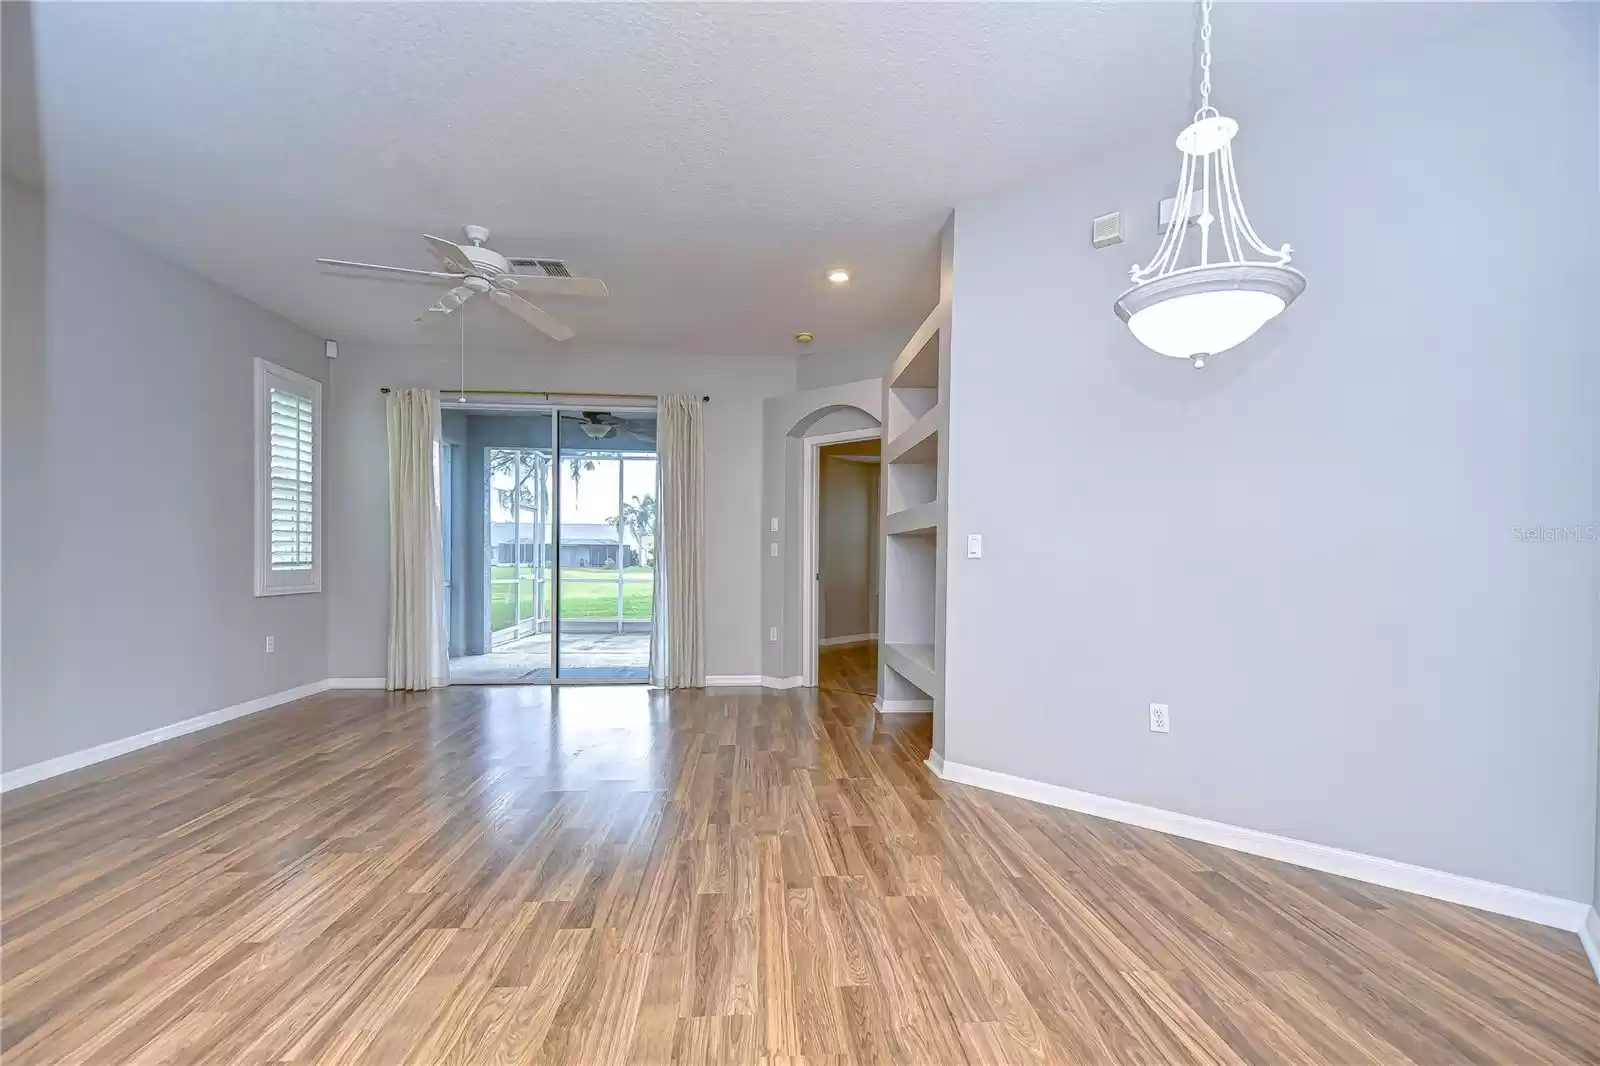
<point>575,470</point>
<point>532,492</point>
<point>639,518</point>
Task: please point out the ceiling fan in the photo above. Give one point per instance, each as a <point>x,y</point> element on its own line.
<point>598,425</point>
<point>475,269</point>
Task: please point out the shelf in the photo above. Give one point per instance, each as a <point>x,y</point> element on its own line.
<point>914,662</point>
<point>914,512</point>
<point>923,519</point>
<point>919,444</point>
<point>917,366</point>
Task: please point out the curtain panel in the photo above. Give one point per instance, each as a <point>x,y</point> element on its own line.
<point>677,651</point>
<point>418,656</point>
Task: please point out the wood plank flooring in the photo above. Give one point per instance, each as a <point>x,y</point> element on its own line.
<point>849,668</point>
<point>604,875</point>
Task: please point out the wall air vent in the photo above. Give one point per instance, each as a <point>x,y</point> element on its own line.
<point>550,268</point>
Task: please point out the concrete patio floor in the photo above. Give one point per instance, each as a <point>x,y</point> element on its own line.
<point>584,656</point>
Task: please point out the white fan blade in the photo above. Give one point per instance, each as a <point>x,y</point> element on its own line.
<point>391,270</point>
<point>543,285</point>
<point>532,315</point>
<point>451,253</point>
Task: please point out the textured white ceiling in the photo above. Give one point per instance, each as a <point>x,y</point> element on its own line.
<point>710,162</point>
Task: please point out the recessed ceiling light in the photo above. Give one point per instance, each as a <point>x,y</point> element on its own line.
<point>838,277</point>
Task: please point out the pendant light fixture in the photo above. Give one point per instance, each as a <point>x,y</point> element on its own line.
<point>1191,312</point>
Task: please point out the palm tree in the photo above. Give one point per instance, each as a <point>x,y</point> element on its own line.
<point>639,518</point>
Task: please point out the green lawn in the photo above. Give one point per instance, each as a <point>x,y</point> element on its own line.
<point>584,594</point>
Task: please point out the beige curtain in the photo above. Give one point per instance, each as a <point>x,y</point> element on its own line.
<point>677,648</point>
<point>418,657</point>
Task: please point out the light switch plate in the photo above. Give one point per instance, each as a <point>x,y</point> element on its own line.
<point>774,525</point>
<point>773,549</point>
<point>974,545</point>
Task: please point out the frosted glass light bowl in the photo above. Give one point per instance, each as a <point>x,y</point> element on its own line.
<point>1204,310</point>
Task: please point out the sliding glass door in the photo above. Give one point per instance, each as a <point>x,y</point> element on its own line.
<point>607,545</point>
<point>556,582</point>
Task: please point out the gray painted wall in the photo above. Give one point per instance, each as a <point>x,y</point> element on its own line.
<point>821,365</point>
<point>1307,549</point>
<point>113,359</point>
<point>847,546</point>
<point>358,577</point>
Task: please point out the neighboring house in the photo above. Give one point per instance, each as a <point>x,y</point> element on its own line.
<point>583,544</point>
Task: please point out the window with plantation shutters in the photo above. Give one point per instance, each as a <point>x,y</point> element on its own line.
<point>288,481</point>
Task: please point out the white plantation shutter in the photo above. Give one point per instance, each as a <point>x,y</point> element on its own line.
<point>292,517</point>
<point>288,510</point>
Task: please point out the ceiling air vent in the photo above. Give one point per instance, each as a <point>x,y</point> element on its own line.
<point>550,268</point>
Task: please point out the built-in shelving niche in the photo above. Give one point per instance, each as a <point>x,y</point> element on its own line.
<point>914,391</point>
<point>913,522</point>
<point>910,562</point>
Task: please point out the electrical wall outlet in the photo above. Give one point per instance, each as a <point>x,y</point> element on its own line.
<point>1160,721</point>
<point>271,643</point>
<point>772,634</point>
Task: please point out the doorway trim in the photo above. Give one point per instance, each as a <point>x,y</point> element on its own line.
<point>810,514</point>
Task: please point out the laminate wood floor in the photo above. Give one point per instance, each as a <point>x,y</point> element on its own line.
<point>588,876</point>
<point>849,668</point>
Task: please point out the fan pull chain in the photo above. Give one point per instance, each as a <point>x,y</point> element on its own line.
<point>462,398</point>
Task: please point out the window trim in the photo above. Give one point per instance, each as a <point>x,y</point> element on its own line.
<point>267,581</point>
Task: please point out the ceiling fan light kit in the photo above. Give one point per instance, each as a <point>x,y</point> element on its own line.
<point>474,270</point>
<point>1191,312</point>
<point>597,425</point>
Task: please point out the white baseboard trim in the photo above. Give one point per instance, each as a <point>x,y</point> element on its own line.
<point>1453,888</point>
<point>935,762</point>
<point>358,682</point>
<point>903,706</point>
<point>751,681</point>
<point>853,638</point>
<point>1589,934</point>
<point>77,760</point>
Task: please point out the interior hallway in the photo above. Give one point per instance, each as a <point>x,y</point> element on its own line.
<point>610,875</point>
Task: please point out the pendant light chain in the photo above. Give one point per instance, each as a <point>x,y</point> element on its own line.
<point>1205,62</point>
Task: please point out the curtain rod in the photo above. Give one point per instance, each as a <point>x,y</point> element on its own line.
<point>547,395</point>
